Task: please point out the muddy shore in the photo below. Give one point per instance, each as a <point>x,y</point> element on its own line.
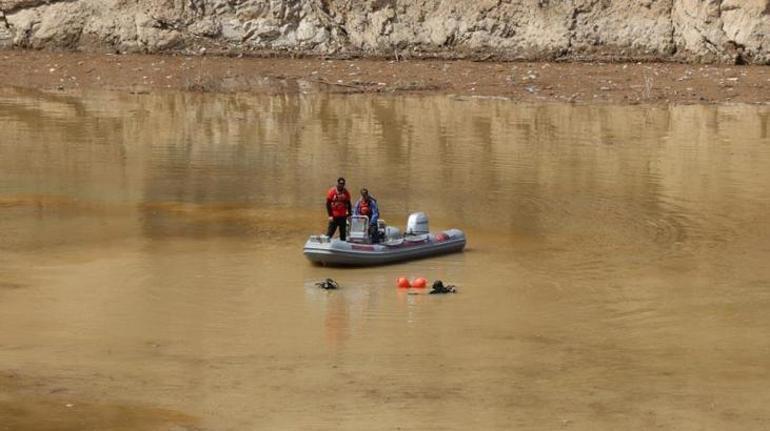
<point>629,83</point>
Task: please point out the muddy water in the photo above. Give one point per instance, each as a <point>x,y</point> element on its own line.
<point>151,274</point>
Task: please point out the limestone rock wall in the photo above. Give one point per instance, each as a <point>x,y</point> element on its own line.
<point>688,30</point>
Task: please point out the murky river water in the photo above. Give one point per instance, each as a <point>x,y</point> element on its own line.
<point>151,273</point>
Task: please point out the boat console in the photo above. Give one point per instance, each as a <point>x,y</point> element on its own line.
<point>358,229</point>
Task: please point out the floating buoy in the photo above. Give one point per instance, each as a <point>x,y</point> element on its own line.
<point>420,283</point>
<point>403,283</point>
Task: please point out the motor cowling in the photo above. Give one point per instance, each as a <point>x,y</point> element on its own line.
<point>417,224</point>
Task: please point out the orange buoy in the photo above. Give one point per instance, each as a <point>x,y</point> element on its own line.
<point>420,283</point>
<point>403,282</point>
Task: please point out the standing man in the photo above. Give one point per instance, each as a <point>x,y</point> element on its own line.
<point>338,208</point>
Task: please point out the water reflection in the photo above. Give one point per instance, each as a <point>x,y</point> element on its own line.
<point>616,253</point>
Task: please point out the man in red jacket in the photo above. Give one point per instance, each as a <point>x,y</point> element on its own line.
<point>338,208</point>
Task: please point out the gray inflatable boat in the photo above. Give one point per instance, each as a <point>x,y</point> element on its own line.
<point>359,250</point>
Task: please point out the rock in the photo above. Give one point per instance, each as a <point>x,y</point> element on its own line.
<point>59,25</point>
<point>232,31</point>
<point>730,31</point>
<point>6,35</point>
<point>13,5</point>
<point>623,28</point>
<point>206,27</point>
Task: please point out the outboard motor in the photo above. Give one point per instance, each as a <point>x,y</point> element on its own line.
<point>417,224</point>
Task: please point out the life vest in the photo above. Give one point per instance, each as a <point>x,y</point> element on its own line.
<point>338,201</point>
<point>363,208</point>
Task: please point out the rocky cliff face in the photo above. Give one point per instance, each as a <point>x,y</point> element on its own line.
<point>689,30</point>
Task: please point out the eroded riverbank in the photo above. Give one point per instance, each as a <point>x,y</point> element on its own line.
<point>629,83</point>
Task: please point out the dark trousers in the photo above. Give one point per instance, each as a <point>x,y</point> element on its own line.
<point>374,234</point>
<point>342,223</point>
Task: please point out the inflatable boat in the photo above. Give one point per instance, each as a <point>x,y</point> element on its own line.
<point>391,246</point>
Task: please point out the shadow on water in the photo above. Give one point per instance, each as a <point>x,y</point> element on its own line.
<point>29,405</point>
<point>4,285</point>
